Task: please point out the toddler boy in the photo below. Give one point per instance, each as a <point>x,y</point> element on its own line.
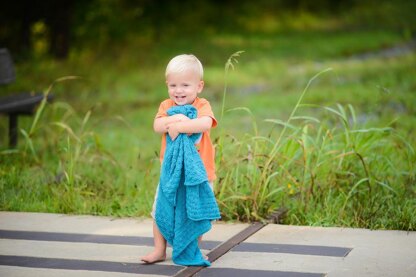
<point>184,204</point>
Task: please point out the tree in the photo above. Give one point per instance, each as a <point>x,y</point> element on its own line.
<point>18,17</point>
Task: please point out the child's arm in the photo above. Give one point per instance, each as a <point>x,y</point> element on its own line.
<point>160,124</point>
<point>197,125</point>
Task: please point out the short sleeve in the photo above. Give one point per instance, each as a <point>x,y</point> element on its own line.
<point>163,108</point>
<point>204,109</point>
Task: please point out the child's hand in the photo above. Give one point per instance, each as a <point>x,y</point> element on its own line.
<point>173,131</point>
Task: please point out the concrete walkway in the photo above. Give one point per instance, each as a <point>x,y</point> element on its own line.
<point>37,244</point>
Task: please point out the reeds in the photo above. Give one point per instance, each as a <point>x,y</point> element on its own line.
<point>72,170</point>
<point>329,170</point>
<point>320,163</point>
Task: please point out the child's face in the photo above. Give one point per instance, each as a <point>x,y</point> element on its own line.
<point>184,87</point>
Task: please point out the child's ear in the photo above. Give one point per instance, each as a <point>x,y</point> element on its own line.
<point>200,86</point>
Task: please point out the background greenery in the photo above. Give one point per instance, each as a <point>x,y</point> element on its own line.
<point>316,116</point>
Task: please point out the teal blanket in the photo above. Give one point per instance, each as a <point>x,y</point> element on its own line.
<point>185,204</point>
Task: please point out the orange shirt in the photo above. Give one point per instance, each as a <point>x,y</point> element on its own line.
<point>204,147</point>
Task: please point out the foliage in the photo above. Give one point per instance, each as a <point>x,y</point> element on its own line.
<point>335,150</point>
<point>324,173</point>
<point>71,25</point>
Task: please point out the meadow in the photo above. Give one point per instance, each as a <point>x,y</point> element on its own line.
<point>307,124</point>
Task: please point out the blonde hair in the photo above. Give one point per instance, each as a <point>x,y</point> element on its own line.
<point>185,62</point>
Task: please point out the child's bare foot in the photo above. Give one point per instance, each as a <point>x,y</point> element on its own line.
<point>154,257</point>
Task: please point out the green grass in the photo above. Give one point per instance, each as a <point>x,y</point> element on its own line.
<point>337,152</point>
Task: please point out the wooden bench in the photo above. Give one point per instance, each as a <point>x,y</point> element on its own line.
<point>16,104</point>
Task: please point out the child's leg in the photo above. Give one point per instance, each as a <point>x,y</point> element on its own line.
<point>159,252</point>
<point>199,242</point>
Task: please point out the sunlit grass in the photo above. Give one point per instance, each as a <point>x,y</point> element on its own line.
<point>345,157</point>
<point>330,171</point>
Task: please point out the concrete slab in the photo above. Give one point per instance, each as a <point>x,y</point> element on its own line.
<point>65,245</point>
<point>13,271</point>
<point>77,224</point>
<point>82,241</point>
<point>100,225</point>
<point>71,250</point>
<point>374,253</point>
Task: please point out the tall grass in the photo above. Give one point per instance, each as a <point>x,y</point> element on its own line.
<point>325,171</point>
<point>64,167</point>
<point>320,162</point>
